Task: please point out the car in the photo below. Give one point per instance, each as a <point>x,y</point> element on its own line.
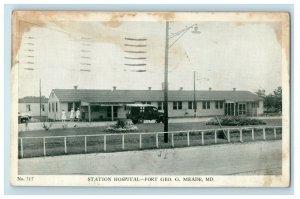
<point>140,112</point>
<point>23,117</point>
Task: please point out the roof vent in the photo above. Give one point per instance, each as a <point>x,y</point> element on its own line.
<point>149,88</point>
<point>114,88</point>
<point>210,88</point>
<point>75,87</point>
<point>181,88</point>
<point>234,89</point>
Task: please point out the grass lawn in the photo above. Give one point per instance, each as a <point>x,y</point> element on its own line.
<point>75,145</point>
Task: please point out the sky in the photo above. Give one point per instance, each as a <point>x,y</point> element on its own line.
<point>225,55</point>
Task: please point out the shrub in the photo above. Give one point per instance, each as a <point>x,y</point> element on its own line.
<point>121,126</point>
<point>235,121</point>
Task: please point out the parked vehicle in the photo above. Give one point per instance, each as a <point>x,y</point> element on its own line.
<point>23,117</point>
<point>140,112</point>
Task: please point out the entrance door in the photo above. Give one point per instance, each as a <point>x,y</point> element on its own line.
<point>115,111</point>
<point>242,109</point>
<point>229,109</point>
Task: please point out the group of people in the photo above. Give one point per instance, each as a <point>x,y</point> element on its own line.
<point>74,116</point>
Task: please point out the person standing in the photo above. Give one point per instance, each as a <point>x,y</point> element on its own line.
<point>63,118</point>
<point>72,115</point>
<point>78,114</point>
<point>77,117</point>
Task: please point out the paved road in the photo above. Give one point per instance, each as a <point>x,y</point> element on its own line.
<point>263,157</point>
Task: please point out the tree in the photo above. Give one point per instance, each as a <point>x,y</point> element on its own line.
<point>273,102</point>
<point>278,99</point>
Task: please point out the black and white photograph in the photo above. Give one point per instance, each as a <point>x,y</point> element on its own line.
<point>150,99</point>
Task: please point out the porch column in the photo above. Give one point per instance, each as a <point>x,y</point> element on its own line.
<point>112,113</point>
<point>89,110</point>
<point>238,109</point>
<point>234,109</point>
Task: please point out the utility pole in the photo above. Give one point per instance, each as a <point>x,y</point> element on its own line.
<point>195,103</point>
<point>40,100</point>
<point>166,122</point>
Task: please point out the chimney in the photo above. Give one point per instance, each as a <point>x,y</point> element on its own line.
<point>181,88</point>
<point>75,87</point>
<point>234,89</point>
<point>149,88</point>
<point>114,88</point>
<point>209,88</point>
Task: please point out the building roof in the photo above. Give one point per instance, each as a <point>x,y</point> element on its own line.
<point>130,96</point>
<point>31,99</point>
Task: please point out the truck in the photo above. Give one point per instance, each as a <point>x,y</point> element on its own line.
<point>140,112</point>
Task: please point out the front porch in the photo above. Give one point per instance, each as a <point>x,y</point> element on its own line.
<point>101,111</point>
<point>240,108</point>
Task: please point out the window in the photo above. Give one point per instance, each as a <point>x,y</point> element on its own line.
<point>28,108</point>
<point>70,106</point>
<point>191,105</point>
<point>96,108</point>
<point>52,107</point>
<point>257,104</point>
<point>160,106</point>
<point>56,106</point>
<point>174,105</point>
<point>180,105</point>
<point>177,105</point>
<point>115,111</point>
<point>219,104</point>
<point>206,105</point>
<point>77,105</point>
<point>49,105</point>
<point>43,107</point>
<point>148,102</point>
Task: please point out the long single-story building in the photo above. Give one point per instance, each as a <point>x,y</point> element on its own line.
<point>31,105</point>
<point>97,105</point>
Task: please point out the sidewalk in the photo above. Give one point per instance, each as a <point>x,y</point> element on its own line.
<point>58,124</point>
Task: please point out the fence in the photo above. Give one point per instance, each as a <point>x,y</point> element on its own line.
<point>59,145</point>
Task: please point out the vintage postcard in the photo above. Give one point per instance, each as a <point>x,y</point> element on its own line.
<point>150,99</point>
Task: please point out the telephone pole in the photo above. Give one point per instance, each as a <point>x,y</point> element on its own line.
<point>40,99</point>
<point>166,122</point>
<point>195,103</point>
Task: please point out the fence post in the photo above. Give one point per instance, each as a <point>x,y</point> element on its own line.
<point>215,136</point>
<point>188,138</point>
<point>264,133</point>
<point>275,133</point>
<point>253,134</point>
<point>104,140</point>
<point>241,135</point>
<point>85,148</point>
<point>156,140</point>
<point>66,145</point>
<point>172,139</point>
<point>21,143</point>
<point>123,144</point>
<point>140,141</point>
<point>202,138</point>
<point>228,135</point>
<point>44,145</point>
